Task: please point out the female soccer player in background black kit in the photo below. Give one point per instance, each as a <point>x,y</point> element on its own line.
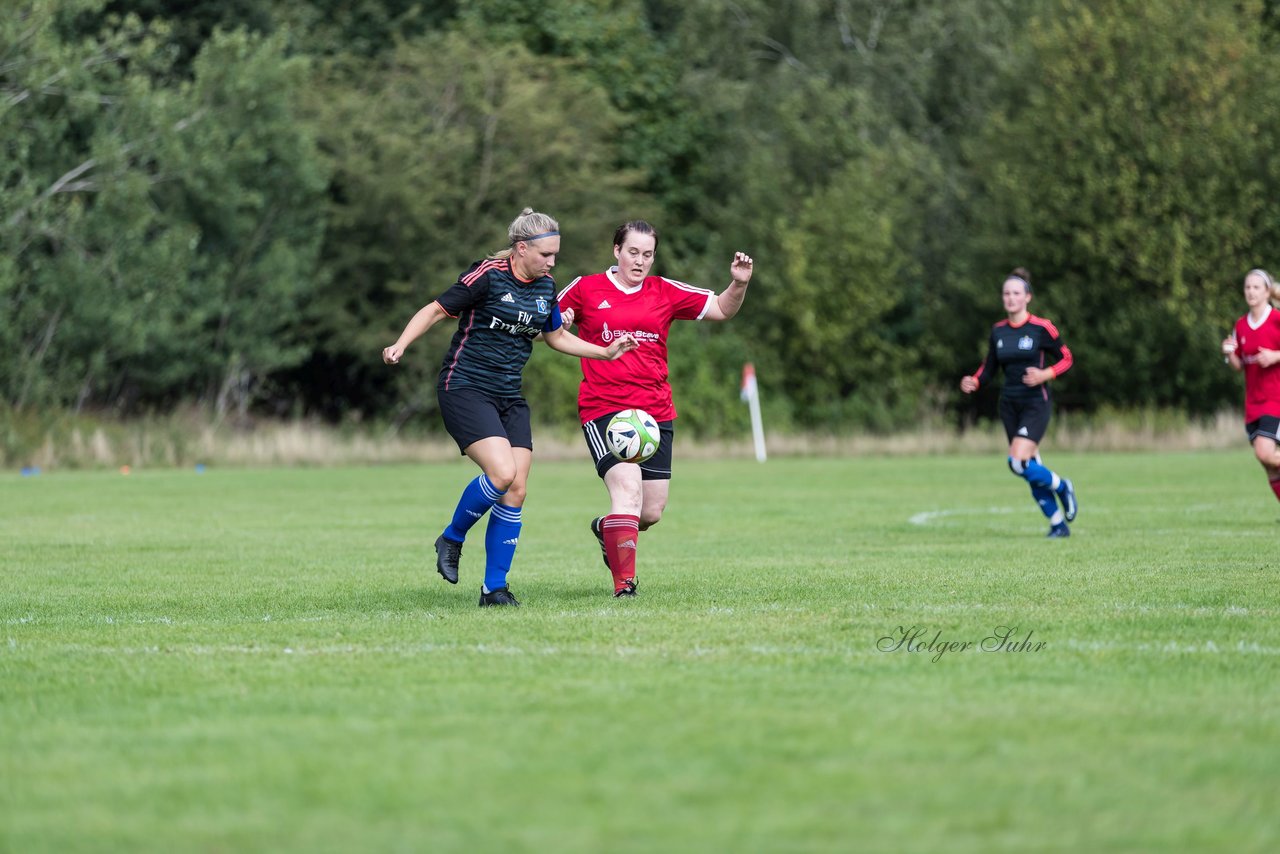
<point>502,304</point>
<point>1019,345</point>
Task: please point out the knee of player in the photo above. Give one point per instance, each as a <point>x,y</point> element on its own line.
<point>503,478</point>
<point>1018,467</point>
<point>650,516</point>
<point>515,494</point>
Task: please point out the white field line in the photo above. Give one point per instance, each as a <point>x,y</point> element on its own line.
<point>390,616</point>
<point>698,652</point>
<point>1194,610</point>
<point>1177,608</point>
<point>1173,647</point>
<point>929,516</point>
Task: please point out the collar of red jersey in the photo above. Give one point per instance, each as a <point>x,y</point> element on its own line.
<point>612,273</point>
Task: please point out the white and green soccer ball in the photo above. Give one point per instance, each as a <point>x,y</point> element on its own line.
<point>633,435</point>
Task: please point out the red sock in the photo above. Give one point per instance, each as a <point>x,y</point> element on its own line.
<point>621,534</point>
<point>1275,487</point>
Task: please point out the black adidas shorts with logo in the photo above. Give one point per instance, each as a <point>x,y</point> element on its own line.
<point>1267,425</point>
<point>1026,419</point>
<point>471,414</point>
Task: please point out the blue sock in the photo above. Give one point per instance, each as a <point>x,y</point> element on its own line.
<point>1048,503</point>
<point>1038,475</point>
<point>500,541</point>
<point>476,499</point>
<point>1043,485</point>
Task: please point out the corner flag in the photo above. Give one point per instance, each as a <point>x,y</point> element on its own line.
<point>751,394</point>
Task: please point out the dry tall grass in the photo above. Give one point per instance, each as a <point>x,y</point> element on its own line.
<point>184,440</point>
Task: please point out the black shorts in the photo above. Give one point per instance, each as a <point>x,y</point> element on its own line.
<point>657,467</point>
<point>1025,419</point>
<point>471,415</point>
<point>1267,425</point>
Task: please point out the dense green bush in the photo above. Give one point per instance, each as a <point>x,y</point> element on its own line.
<point>236,206</point>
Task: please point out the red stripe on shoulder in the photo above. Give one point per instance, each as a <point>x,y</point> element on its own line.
<point>1046,323</point>
<point>1000,323</point>
<point>492,264</point>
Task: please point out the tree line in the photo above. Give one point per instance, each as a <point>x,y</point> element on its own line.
<point>237,205</point>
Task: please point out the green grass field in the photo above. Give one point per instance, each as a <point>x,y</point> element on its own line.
<point>265,660</point>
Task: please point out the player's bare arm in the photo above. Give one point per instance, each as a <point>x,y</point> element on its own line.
<point>566,342</point>
<point>727,303</point>
<point>425,318</point>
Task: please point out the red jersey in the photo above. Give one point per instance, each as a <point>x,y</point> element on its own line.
<point>605,307</point>
<point>1261,385</point>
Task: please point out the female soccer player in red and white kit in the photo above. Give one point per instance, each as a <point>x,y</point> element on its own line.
<point>626,299</point>
<point>1254,347</point>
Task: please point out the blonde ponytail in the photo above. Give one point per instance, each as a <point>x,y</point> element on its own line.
<point>530,225</point>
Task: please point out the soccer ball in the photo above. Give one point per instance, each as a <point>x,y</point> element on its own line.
<point>633,435</point>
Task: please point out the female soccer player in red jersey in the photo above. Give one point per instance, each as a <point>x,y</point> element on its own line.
<point>625,299</point>
<point>1254,347</point>
<point>1019,345</point>
<point>502,304</point>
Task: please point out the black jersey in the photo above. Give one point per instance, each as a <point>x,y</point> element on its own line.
<point>1017,348</point>
<point>499,315</point>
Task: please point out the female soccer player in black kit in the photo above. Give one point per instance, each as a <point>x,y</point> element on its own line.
<point>1019,345</point>
<point>502,304</point>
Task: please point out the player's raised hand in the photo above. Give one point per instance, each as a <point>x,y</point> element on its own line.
<point>968,385</point>
<point>741,268</point>
<point>391,355</point>
<point>1229,344</point>
<point>566,317</point>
